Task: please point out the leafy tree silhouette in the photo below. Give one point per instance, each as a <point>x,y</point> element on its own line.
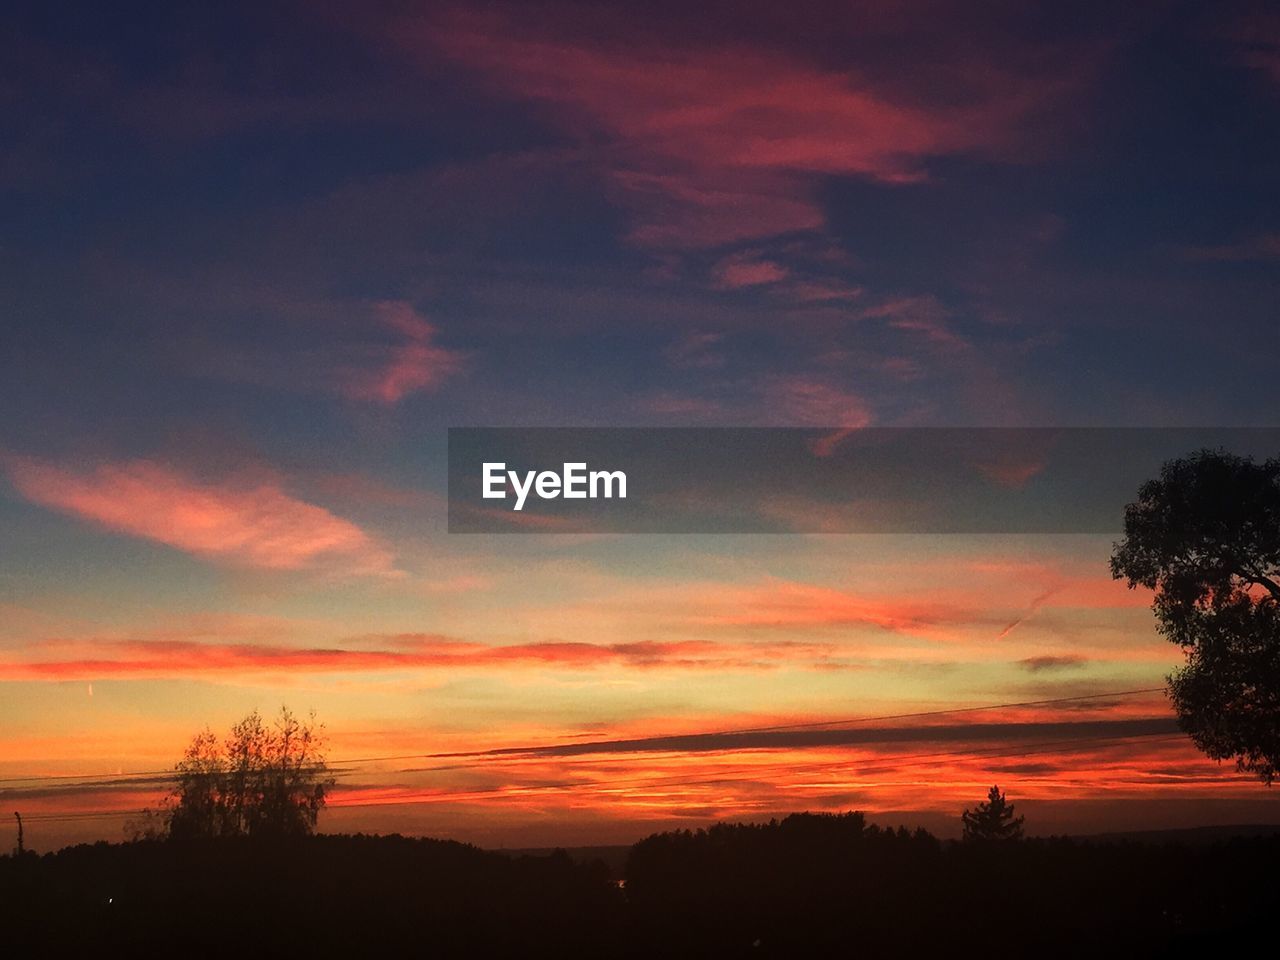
<point>1205,536</point>
<point>264,780</point>
<point>992,820</point>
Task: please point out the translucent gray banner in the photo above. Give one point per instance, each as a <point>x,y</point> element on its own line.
<point>814,480</point>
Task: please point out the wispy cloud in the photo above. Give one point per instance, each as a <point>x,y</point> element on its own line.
<point>715,144</point>
<point>809,401</point>
<point>412,365</point>
<point>251,523</point>
<point>379,352</point>
<point>800,400</point>
<point>787,604</point>
<point>746,270</point>
<point>124,658</point>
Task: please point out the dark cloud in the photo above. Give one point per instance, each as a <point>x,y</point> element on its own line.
<point>1065,662</point>
<point>970,734</point>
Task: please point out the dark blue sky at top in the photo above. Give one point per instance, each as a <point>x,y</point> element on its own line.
<point>198,209</point>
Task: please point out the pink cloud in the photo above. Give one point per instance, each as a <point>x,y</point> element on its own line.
<point>824,291</point>
<point>413,365</point>
<point>804,401</point>
<point>944,351</point>
<point>745,106</point>
<point>920,314</point>
<point>1016,458</point>
<point>906,369</point>
<point>715,143</point>
<point>690,209</point>
<point>744,270</point>
<point>252,524</point>
<point>801,401</point>
<point>1012,473</point>
<point>784,401</point>
<point>368,351</point>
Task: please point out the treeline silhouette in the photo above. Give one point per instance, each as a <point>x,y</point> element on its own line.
<point>314,896</point>
<point>828,885</point>
<point>807,885</point>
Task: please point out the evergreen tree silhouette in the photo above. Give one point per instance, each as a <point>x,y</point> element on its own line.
<point>992,820</point>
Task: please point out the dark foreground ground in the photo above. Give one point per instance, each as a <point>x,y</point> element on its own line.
<point>806,886</point>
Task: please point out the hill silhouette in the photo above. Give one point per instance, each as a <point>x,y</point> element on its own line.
<point>805,885</point>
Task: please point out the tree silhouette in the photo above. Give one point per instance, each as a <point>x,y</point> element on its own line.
<point>1205,536</point>
<point>264,780</point>
<point>992,820</point>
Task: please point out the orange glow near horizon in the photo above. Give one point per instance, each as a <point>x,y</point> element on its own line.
<point>1123,750</point>
<point>625,678</point>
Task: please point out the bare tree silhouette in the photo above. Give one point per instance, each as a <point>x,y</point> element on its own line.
<point>264,780</point>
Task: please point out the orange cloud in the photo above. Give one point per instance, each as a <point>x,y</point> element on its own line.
<point>781,603</point>
<point>252,524</point>
<point>919,615</point>
<point>701,777</point>
<point>90,659</point>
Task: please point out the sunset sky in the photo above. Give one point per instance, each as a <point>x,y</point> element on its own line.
<point>255,260</point>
